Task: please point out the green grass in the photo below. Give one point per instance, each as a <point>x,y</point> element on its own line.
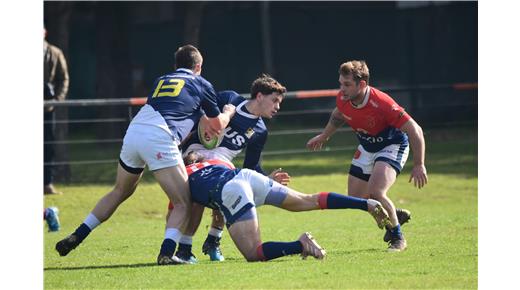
<point>442,235</point>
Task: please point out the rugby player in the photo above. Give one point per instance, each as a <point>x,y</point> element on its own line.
<point>383,129</point>
<point>173,107</point>
<point>246,130</point>
<point>236,193</point>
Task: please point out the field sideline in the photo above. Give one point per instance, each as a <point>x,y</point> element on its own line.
<point>442,236</point>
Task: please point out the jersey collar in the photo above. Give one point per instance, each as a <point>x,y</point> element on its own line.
<point>242,110</point>
<point>184,70</point>
<point>365,100</point>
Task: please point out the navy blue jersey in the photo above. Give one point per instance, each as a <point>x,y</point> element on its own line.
<point>179,98</point>
<point>244,130</point>
<point>207,179</point>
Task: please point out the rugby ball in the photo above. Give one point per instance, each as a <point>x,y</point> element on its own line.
<point>206,141</point>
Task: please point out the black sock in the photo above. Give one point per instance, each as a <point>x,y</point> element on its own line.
<point>82,232</point>
<point>168,247</point>
<point>184,248</point>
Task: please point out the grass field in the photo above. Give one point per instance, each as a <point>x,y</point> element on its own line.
<point>442,235</point>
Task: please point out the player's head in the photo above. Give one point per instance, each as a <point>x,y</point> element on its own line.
<point>193,157</point>
<point>267,93</point>
<point>353,78</point>
<point>188,56</point>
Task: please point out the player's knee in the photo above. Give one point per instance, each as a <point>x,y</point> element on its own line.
<point>252,256</point>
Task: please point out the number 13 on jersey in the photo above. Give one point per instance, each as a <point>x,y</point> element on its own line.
<point>168,88</point>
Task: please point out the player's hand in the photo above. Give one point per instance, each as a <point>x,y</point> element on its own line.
<point>229,109</point>
<point>280,176</point>
<point>209,131</point>
<point>419,176</point>
<point>316,143</point>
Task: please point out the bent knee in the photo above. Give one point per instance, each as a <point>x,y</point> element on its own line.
<point>253,257</point>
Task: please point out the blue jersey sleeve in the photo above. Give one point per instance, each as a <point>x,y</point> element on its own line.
<point>254,151</point>
<point>228,97</point>
<point>209,99</point>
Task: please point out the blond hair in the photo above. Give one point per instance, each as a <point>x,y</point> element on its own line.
<point>357,68</point>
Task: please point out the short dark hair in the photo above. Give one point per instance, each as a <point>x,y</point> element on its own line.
<point>187,56</point>
<point>193,157</point>
<point>266,85</point>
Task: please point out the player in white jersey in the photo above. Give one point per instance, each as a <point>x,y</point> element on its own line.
<point>173,107</point>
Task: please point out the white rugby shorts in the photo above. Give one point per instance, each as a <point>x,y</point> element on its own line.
<point>248,188</point>
<point>363,161</point>
<point>149,145</point>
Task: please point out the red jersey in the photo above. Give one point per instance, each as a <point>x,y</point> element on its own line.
<point>376,121</point>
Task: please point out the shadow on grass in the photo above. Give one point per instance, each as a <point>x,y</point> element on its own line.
<point>359,251</point>
<point>140,265</point>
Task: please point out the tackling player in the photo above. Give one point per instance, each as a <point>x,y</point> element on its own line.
<point>152,138</point>
<point>236,193</point>
<point>383,129</point>
<point>246,130</point>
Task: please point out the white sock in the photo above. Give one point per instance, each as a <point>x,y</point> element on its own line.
<point>187,240</point>
<point>173,234</point>
<point>91,221</point>
<point>215,232</point>
<point>372,202</point>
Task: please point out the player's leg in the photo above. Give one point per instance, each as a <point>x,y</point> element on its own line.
<point>126,183</point>
<point>245,233</point>
<point>174,182</point>
<point>362,168</point>
<point>211,246</point>
<point>293,200</point>
<point>383,177</point>
<point>186,242</point>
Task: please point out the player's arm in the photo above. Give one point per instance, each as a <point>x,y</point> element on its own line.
<point>418,146</point>
<point>253,152</point>
<point>215,120</point>
<point>252,160</point>
<point>336,120</point>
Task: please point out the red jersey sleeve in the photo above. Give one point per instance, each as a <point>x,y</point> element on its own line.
<point>396,116</point>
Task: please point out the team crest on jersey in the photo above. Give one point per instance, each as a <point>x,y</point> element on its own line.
<point>371,122</point>
<point>249,133</point>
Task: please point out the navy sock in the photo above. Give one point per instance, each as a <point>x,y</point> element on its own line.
<point>332,200</point>
<point>82,232</point>
<point>273,250</point>
<point>211,239</point>
<point>396,232</point>
<point>168,247</point>
<point>184,248</point>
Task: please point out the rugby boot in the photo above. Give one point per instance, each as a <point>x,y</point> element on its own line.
<point>310,247</point>
<point>52,219</point>
<point>403,216</point>
<point>187,256</point>
<point>67,244</point>
<point>212,249</point>
<point>379,213</point>
<point>166,260</point>
<point>397,244</point>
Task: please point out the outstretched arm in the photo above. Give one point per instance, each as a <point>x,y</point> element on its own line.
<point>336,121</point>
<point>418,146</point>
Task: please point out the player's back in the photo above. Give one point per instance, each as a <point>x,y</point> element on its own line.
<point>175,102</point>
<point>207,178</point>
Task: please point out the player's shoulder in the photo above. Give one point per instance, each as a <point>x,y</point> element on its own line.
<point>230,97</point>
<point>380,98</point>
